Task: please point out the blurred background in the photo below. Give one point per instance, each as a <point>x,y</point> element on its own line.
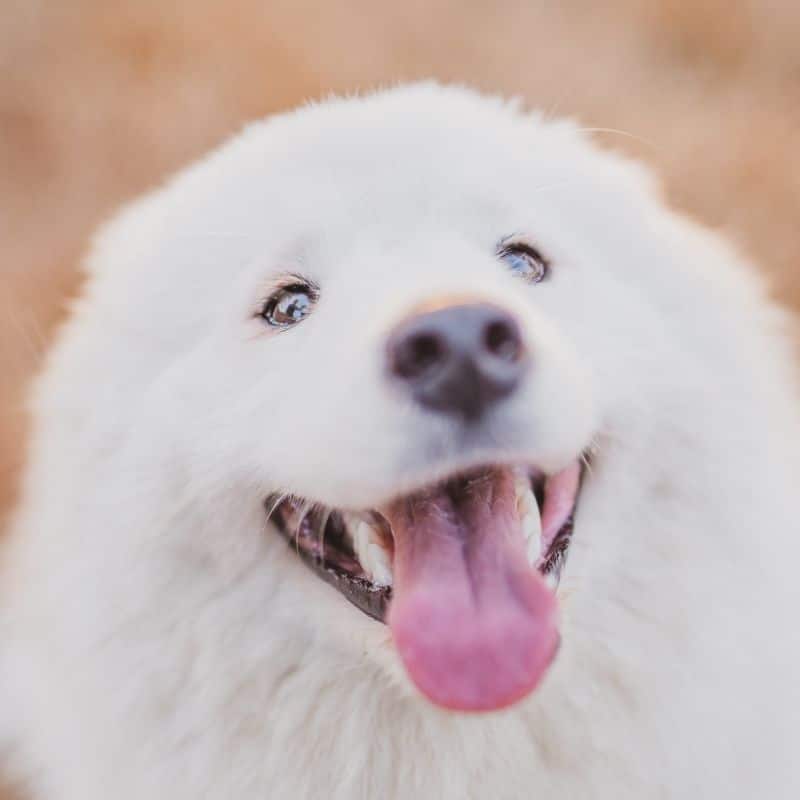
<point>101,100</point>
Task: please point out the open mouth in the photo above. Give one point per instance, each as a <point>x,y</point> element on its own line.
<point>464,571</point>
<point>354,551</point>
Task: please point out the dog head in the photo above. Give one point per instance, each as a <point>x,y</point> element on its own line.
<point>432,339</point>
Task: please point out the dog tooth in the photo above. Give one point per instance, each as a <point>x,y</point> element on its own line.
<point>364,537</point>
<point>361,540</point>
<point>532,524</point>
<point>534,550</point>
<point>532,532</point>
<point>379,566</point>
<point>371,554</point>
<point>526,501</point>
<point>372,533</point>
<point>525,498</point>
<point>351,523</point>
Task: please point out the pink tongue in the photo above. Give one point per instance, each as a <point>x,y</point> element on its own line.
<point>475,626</point>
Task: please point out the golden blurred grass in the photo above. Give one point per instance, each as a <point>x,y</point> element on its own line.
<point>99,101</point>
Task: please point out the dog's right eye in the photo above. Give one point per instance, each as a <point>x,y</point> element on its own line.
<point>288,305</point>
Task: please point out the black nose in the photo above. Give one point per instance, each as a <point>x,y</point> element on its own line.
<point>459,360</point>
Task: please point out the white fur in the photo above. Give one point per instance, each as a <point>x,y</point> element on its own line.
<point>158,641</point>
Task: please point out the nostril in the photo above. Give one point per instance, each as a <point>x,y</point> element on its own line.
<point>501,338</point>
<point>460,359</point>
<point>419,353</point>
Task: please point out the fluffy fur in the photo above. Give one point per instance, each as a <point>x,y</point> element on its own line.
<point>159,640</point>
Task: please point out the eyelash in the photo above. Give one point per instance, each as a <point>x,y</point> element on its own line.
<point>289,282</point>
<point>526,251</point>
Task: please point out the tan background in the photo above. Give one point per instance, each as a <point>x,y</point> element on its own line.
<point>100,99</point>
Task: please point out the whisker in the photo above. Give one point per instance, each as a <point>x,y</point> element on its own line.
<point>586,456</point>
<point>628,134</point>
<point>28,331</point>
<point>277,499</point>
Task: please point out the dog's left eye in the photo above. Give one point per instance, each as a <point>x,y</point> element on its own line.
<point>289,305</point>
<point>524,261</point>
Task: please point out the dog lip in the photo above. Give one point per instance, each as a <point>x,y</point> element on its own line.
<point>373,600</point>
<point>342,570</point>
<point>367,596</point>
<point>332,564</point>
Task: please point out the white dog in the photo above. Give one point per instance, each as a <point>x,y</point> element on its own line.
<point>435,343</point>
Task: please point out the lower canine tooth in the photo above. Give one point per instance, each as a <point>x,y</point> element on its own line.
<point>371,554</point>
<point>379,566</point>
<point>532,532</point>
<point>525,503</point>
<point>534,550</point>
<point>524,493</point>
<point>362,538</point>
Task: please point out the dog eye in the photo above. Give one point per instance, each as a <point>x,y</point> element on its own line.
<point>524,261</point>
<point>289,305</point>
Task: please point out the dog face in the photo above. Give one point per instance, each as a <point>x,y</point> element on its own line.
<point>405,322</point>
